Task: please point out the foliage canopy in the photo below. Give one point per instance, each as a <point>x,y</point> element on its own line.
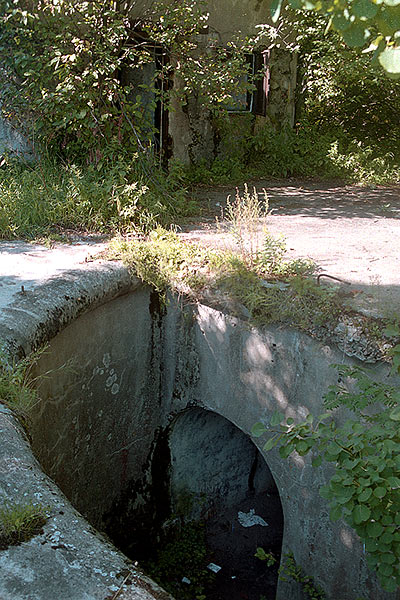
<point>65,64</point>
<point>373,25</point>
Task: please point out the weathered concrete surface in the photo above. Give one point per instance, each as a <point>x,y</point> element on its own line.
<point>351,232</point>
<point>213,464</point>
<point>121,374</point>
<point>69,560</point>
<point>43,290</point>
<point>98,432</point>
<point>30,265</point>
<point>11,141</point>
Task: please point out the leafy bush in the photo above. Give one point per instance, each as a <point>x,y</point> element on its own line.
<point>313,151</point>
<point>364,451</point>
<point>70,68</point>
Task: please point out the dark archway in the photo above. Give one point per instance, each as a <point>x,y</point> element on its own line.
<point>219,477</point>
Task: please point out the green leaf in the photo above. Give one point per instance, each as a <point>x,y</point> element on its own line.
<point>380,492</point>
<point>365,494</point>
<point>391,3</point>
<point>270,444</point>
<point>386,570</point>
<point>390,61</point>
<point>365,8</point>
<point>277,418</point>
<point>361,513</point>
<point>258,430</point>
<point>302,447</point>
<point>275,9</point>
<point>388,558</point>
<point>355,35</point>
<point>285,451</point>
<point>335,513</point>
<point>317,461</point>
<point>325,492</point>
<point>340,22</point>
<point>374,529</point>
<point>390,585</point>
<point>333,449</point>
<point>394,482</point>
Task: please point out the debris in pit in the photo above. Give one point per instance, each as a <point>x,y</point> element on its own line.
<point>249,519</point>
<point>214,568</point>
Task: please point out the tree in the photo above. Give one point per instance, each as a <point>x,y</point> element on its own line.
<point>373,25</point>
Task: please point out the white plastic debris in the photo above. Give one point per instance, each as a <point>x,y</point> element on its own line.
<point>213,567</point>
<point>249,519</point>
<point>186,580</point>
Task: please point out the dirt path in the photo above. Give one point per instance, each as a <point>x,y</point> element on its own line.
<point>351,232</point>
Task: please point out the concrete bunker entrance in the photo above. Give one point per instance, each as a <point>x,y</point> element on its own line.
<point>146,470</point>
<point>219,478</point>
<point>148,474</point>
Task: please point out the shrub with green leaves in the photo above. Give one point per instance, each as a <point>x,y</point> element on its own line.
<point>373,26</point>
<point>65,65</point>
<point>364,489</point>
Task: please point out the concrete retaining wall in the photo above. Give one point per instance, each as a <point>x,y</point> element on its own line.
<point>120,375</point>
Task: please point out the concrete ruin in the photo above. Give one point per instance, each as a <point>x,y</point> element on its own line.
<point>130,385</point>
<point>187,132</point>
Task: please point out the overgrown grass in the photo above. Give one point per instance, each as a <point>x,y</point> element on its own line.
<point>20,522</point>
<point>257,276</point>
<point>17,389</point>
<point>49,197</point>
<point>277,291</point>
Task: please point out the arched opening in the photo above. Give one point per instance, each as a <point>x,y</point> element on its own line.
<point>219,480</point>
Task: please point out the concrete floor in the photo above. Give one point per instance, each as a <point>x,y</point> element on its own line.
<point>351,232</point>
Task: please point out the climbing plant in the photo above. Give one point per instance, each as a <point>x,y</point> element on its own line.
<point>364,488</point>
<point>63,63</point>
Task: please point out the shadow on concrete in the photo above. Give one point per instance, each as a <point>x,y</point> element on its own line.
<point>315,199</point>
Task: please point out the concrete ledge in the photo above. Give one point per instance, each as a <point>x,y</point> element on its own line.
<point>38,314</point>
<point>69,560</point>
<point>140,365</point>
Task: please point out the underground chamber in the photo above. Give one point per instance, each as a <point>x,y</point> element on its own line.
<point>183,491</point>
<point>142,425</point>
